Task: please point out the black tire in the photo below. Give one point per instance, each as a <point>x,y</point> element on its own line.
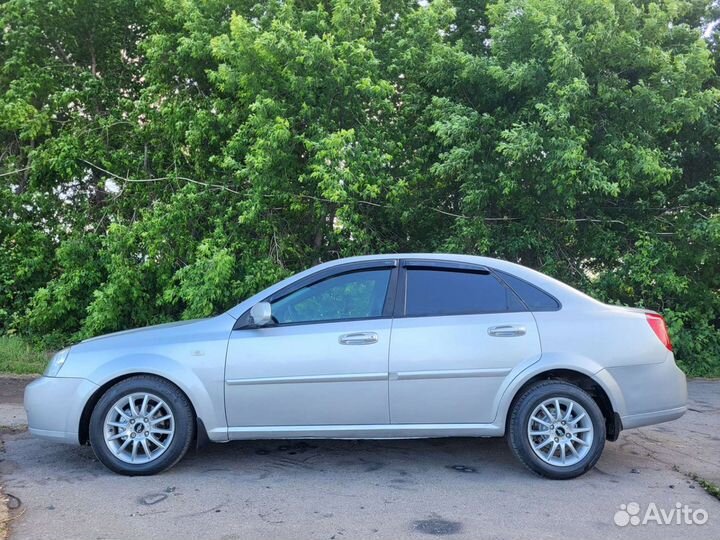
<point>519,440</point>
<point>184,421</point>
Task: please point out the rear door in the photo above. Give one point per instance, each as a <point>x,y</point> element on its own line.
<point>457,334</point>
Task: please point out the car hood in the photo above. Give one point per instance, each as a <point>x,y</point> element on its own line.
<point>136,332</point>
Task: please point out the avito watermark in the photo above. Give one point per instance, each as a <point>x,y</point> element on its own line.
<point>680,514</point>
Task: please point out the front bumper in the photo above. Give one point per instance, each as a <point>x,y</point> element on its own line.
<point>651,393</point>
<point>54,406</point>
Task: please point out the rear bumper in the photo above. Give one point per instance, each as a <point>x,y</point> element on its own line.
<point>54,406</point>
<point>652,417</point>
<point>650,393</point>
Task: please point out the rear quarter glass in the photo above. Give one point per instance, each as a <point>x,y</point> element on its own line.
<point>535,299</point>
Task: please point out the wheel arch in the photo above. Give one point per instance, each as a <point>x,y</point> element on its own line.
<point>601,387</point>
<point>84,422</point>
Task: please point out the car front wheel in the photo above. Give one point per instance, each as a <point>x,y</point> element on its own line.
<point>142,425</point>
<point>557,430</point>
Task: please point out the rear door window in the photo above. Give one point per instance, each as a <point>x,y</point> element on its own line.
<point>436,292</point>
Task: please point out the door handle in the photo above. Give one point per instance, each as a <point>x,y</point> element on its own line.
<point>507,330</point>
<point>358,338</point>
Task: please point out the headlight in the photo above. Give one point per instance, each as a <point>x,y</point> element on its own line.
<point>56,363</point>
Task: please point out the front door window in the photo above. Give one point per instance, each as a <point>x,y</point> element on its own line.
<point>355,295</point>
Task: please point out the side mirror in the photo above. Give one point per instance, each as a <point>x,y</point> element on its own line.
<point>261,314</point>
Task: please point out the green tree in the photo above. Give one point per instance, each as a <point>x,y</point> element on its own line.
<point>164,159</point>
<point>581,143</point>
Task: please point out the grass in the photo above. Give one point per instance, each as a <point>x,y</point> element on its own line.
<point>710,487</point>
<point>20,358</point>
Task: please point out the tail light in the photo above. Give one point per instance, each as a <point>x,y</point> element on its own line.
<point>658,325</point>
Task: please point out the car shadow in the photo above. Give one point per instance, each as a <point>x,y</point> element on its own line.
<point>393,461</point>
<point>458,455</point>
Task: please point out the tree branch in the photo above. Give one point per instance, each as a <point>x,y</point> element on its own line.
<point>16,171</point>
<point>162,179</point>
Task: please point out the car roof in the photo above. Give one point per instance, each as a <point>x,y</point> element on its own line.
<point>568,296</point>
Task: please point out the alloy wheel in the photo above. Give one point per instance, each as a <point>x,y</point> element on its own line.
<point>560,431</point>
<point>139,428</point>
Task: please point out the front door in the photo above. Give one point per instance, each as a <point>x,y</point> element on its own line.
<point>324,361</point>
<point>458,334</point>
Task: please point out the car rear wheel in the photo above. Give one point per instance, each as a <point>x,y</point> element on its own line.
<point>556,430</point>
<point>142,425</point>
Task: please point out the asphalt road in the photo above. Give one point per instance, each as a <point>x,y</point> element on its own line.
<point>459,488</point>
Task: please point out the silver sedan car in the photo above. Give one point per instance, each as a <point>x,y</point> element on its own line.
<point>386,346</point>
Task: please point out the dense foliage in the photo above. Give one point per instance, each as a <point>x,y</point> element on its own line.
<point>162,160</point>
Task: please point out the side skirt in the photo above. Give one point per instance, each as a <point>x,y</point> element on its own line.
<point>392,431</point>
